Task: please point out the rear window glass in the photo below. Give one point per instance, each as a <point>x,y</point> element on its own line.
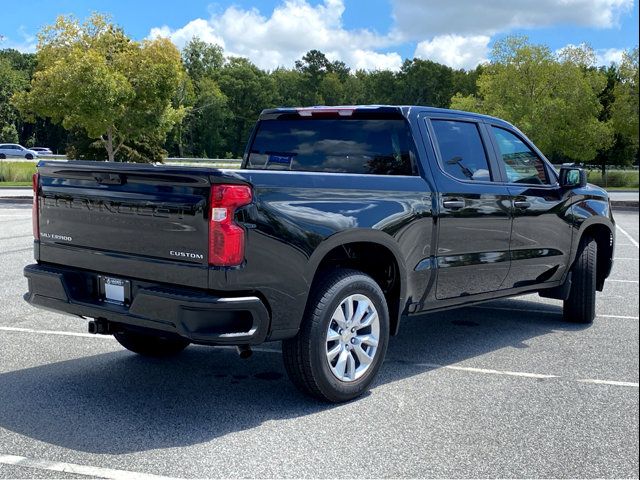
<point>375,146</point>
<point>462,151</point>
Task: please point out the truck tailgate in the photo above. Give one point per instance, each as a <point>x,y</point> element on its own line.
<point>124,211</point>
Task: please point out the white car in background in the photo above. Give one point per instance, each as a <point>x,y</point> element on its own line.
<point>8,150</point>
<point>42,150</point>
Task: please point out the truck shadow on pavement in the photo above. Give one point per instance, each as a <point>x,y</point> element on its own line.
<point>117,402</point>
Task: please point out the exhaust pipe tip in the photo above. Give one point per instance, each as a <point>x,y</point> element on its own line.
<point>100,326</point>
<point>244,351</point>
<point>93,328</point>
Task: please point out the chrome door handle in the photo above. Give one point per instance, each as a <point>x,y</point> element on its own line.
<point>453,204</point>
<point>521,204</point>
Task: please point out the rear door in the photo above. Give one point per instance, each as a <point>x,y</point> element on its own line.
<point>541,234</point>
<point>474,219</point>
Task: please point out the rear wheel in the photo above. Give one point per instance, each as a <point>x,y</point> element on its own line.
<point>342,340</point>
<point>2,156</point>
<point>151,345</point>
<point>580,306</point>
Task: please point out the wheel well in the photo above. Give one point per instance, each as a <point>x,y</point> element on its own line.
<point>376,261</point>
<point>604,239</point>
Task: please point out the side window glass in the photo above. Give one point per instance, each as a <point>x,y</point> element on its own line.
<point>462,151</point>
<point>520,162</point>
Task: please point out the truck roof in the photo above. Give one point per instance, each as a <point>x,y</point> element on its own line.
<point>404,110</point>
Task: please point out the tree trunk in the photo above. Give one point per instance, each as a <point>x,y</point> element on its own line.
<point>109,145</point>
<point>180,146</point>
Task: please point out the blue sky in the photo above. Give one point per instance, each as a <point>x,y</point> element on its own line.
<point>365,34</point>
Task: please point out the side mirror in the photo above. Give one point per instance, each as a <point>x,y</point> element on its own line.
<point>573,177</point>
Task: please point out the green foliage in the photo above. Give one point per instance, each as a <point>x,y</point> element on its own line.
<point>92,76</point>
<point>425,83</point>
<point>624,111</point>
<point>11,80</point>
<point>202,59</point>
<point>553,99</point>
<point>249,90</point>
<point>8,133</point>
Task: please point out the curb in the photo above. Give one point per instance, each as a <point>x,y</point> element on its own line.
<point>625,204</point>
<point>14,200</point>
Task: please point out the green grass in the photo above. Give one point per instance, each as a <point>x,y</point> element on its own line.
<point>622,189</point>
<point>14,184</point>
<point>16,173</point>
<point>616,179</point>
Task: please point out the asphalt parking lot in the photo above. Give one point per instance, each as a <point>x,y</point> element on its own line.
<point>505,389</point>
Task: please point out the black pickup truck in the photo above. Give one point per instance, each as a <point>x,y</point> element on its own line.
<point>341,222</point>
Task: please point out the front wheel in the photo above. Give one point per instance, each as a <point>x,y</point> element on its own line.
<point>151,345</point>
<point>28,156</point>
<point>342,340</point>
<point>2,156</point>
<point>580,306</point>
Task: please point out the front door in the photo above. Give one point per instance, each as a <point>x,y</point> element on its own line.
<point>474,220</point>
<point>541,234</point>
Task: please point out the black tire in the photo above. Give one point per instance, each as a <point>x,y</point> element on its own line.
<point>580,306</point>
<point>28,156</point>
<point>2,156</point>
<point>151,345</point>
<point>305,355</point>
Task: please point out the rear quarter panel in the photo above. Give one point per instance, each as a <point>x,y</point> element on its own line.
<point>299,217</point>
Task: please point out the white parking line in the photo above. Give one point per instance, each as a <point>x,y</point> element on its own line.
<point>64,467</point>
<point>625,258</point>
<point>609,382</point>
<point>53,332</point>
<point>626,234</point>
<point>525,374</point>
<point>486,370</point>
<point>621,281</point>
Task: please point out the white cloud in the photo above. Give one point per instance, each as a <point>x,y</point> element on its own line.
<point>607,56</point>
<point>293,28</point>
<point>455,50</point>
<point>419,19</point>
<point>198,27</point>
<point>456,32</point>
<point>368,60</point>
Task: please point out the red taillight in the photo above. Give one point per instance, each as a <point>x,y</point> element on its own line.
<point>34,210</point>
<point>226,238</point>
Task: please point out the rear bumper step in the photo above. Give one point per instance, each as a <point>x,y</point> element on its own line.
<point>197,316</point>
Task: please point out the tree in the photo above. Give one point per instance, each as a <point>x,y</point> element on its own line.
<point>423,82</point>
<point>248,90</point>
<point>11,81</point>
<point>289,86</point>
<point>210,120</point>
<point>315,67</point>
<point>202,59</point>
<point>624,111</point>
<point>380,86</point>
<point>92,76</point>
<point>8,133</point>
<point>552,98</point>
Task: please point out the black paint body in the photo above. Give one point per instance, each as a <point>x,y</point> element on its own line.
<point>124,220</point>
